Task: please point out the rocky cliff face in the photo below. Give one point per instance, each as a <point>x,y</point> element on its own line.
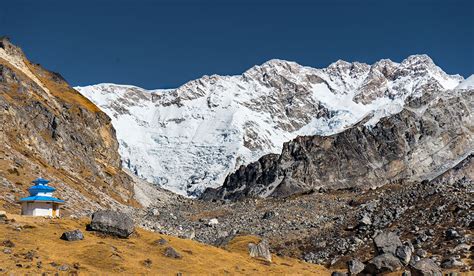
<point>190,138</point>
<point>48,129</point>
<point>429,136</point>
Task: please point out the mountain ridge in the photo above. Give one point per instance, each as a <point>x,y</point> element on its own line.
<point>417,144</point>
<point>245,116</point>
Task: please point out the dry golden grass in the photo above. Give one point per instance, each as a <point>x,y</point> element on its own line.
<point>107,255</point>
<point>60,88</point>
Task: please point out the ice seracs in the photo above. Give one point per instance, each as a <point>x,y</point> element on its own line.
<point>190,138</point>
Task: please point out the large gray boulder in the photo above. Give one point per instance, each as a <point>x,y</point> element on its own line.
<point>112,223</point>
<point>383,263</point>
<point>355,267</point>
<point>425,267</point>
<point>387,242</point>
<point>405,252</point>
<point>260,250</point>
<point>170,252</point>
<point>75,235</point>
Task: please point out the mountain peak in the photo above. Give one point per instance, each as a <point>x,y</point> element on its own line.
<point>276,64</point>
<point>420,62</point>
<point>9,48</point>
<point>339,63</point>
<point>275,61</point>
<point>418,58</point>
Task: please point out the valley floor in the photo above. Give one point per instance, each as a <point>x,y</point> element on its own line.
<point>33,245</point>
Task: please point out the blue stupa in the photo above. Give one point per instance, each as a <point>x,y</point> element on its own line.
<point>41,201</point>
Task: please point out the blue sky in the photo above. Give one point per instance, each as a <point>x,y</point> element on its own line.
<point>163,44</point>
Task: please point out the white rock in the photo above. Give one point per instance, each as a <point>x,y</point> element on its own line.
<point>212,222</point>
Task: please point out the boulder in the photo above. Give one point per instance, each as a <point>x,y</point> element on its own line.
<point>387,242</point>
<point>75,235</point>
<point>3,215</point>
<point>421,253</point>
<point>452,234</point>
<point>63,267</point>
<point>155,212</point>
<point>452,262</point>
<point>425,267</point>
<point>404,253</point>
<point>8,243</point>
<point>213,222</point>
<point>386,262</point>
<point>147,263</point>
<point>260,250</point>
<point>188,233</point>
<point>339,273</point>
<point>112,223</point>
<point>160,241</point>
<point>355,266</point>
<point>365,220</point>
<point>269,214</point>
<point>463,248</point>
<point>170,252</point>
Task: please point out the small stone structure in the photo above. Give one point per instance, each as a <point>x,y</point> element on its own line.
<point>41,201</point>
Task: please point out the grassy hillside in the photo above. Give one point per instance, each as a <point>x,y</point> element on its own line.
<point>49,129</point>
<point>38,248</point>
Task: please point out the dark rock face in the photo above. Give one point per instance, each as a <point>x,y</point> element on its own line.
<point>425,267</point>
<point>265,169</point>
<point>74,235</point>
<point>415,145</point>
<point>112,223</point>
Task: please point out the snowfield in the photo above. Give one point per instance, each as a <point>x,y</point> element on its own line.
<point>190,138</point>
<point>467,83</point>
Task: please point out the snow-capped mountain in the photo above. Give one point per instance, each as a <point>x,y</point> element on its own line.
<point>190,138</point>
<point>467,83</point>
